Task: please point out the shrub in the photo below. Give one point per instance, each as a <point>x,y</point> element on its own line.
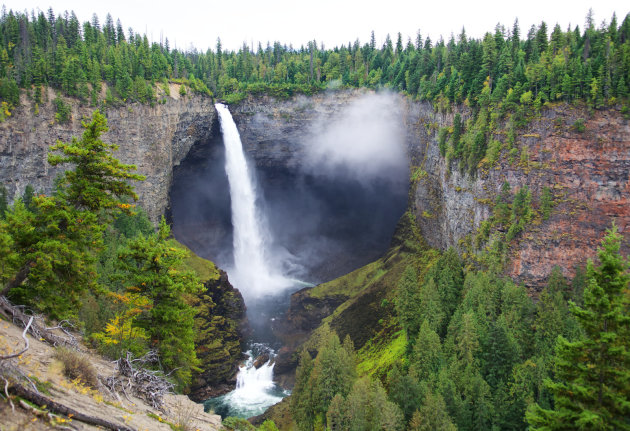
<point>77,366</point>
<point>579,126</point>
<point>237,424</point>
<point>63,111</point>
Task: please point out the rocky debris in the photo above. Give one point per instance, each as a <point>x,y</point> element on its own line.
<point>261,360</point>
<point>154,138</point>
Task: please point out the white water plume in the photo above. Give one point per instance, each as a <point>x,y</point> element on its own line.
<point>255,391</point>
<point>255,273</point>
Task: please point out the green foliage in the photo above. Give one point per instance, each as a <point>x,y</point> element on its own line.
<point>591,383</point>
<point>9,92</point>
<point>27,197</point>
<point>408,302</point>
<point>405,390</point>
<point>579,126</point>
<point>442,136</point>
<point>4,201</point>
<point>268,426</point>
<point>495,73</point>
<point>318,382</point>
<point>53,265</point>
<point>63,110</point>
<point>99,181</point>
<point>365,408</point>
<point>237,424</point>
<point>426,358</point>
<point>155,271</point>
<point>432,415</point>
<point>301,404</point>
<point>546,203</point>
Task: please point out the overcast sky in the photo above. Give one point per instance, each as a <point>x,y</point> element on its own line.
<point>198,23</point>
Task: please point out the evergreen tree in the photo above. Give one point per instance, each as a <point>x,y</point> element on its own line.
<point>432,415</point>
<point>154,269</point>
<point>408,302</point>
<point>333,373</point>
<point>301,405</point>
<point>98,181</point>
<point>592,386</point>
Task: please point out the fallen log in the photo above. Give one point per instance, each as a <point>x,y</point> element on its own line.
<point>53,406</point>
<point>37,330</point>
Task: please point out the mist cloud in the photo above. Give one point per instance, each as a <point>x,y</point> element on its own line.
<point>364,141</point>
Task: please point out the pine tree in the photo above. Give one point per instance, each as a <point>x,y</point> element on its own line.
<point>592,387</point>
<point>301,409</point>
<point>408,302</point>
<point>333,373</point>
<point>154,269</point>
<point>98,181</point>
<point>432,415</point>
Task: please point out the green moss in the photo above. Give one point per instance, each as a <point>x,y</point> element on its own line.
<point>205,269</point>
<point>368,314</point>
<point>379,354</point>
<point>350,284</point>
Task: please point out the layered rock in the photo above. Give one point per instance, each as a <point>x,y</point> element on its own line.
<point>588,173</point>
<point>154,138</point>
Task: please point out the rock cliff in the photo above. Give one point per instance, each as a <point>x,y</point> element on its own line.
<point>587,171</point>
<point>154,138</point>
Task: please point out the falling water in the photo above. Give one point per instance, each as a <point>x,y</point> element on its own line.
<point>254,272</point>
<point>255,390</point>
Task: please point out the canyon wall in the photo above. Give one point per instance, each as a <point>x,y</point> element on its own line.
<point>588,172</point>
<point>154,138</point>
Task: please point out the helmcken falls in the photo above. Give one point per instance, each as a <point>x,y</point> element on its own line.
<point>255,274</point>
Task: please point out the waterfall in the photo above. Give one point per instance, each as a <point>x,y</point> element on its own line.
<point>254,272</point>
<point>255,390</point>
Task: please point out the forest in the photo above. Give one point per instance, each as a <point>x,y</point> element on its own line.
<point>479,353</point>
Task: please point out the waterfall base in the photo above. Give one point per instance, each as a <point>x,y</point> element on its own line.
<point>255,389</point>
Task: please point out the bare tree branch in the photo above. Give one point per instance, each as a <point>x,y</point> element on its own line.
<point>15,355</point>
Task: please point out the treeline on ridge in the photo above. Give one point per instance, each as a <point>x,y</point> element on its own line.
<point>44,49</point>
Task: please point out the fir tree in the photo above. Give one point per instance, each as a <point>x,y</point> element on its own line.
<point>592,383</point>
<point>154,269</point>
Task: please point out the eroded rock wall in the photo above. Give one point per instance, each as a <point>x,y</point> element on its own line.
<point>155,139</point>
<point>588,173</point>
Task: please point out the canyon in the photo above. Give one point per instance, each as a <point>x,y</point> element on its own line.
<point>587,171</point>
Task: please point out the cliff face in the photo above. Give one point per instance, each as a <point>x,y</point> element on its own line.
<point>155,139</point>
<point>221,328</point>
<point>588,173</point>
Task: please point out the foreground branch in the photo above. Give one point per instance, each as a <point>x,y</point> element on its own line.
<point>36,324</point>
<point>15,355</point>
<point>134,377</point>
<point>51,405</point>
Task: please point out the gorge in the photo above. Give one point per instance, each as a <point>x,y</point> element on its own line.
<point>179,147</point>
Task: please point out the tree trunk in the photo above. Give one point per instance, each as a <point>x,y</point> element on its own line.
<point>18,279</point>
<point>56,407</point>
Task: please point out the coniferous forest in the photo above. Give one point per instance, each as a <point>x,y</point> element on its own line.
<point>476,351</point>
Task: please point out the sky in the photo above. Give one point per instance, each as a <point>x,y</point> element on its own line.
<point>189,23</point>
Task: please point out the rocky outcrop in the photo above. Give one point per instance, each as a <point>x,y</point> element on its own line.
<point>154,138</point>
<point>588,173</point>
<point>221,329</point>
<point>273,131</point>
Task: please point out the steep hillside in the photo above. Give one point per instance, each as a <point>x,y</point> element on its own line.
<point>43,366</point>
<point>580,155</point>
